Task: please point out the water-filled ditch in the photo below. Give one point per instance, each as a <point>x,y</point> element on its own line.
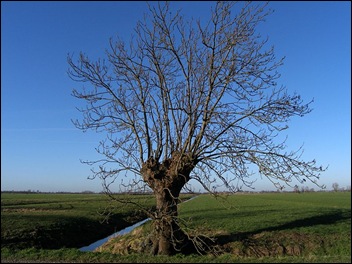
<point>100,242</point>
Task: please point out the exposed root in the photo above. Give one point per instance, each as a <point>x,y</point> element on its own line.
<point>256,245</point>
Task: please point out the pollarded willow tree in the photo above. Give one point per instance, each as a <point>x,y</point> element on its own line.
<point>190,100</point>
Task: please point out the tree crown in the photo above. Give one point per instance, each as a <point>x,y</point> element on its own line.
<point>207,91</point>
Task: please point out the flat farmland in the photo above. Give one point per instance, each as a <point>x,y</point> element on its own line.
<point>63,220</point>
<point>268,227</point>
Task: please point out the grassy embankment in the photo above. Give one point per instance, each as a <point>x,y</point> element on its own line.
<point>63,220</point>
<point>287,227</point>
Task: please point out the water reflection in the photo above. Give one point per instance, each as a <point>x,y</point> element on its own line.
<point>98,243</point>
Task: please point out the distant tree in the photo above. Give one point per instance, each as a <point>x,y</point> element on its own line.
<point>87,192</point>
<point>296,189</point>
<point>185,100</point>
<point>335,186</point>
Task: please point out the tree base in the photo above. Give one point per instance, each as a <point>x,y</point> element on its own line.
<point>142,241</point>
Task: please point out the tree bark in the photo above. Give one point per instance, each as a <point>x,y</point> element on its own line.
<point>167,234</point>
<point>166,180</point>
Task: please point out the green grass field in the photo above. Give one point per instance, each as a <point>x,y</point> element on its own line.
<point>265,224</point>
<point>271,227</point>
<point>63,220</point>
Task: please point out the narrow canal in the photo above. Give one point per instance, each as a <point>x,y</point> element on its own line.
<point>100,242</point>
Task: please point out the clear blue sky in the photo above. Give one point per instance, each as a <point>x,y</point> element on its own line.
<point>40,147</point>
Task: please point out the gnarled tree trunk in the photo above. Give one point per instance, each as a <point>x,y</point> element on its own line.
<point>167,179</point>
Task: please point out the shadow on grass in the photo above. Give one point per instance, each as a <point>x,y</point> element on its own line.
<point>68,231</point>
<point>328,218</point>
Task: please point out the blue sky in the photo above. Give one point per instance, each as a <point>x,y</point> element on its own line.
<point>41,148</point>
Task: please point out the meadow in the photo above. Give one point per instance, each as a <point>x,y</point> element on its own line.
<point>268,227</point>
<point>64,220</point>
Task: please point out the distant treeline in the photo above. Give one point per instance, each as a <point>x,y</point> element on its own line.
<point>83,192</point>
<point>62,192</point>
<point>32,191</point>
<point>296,189</point>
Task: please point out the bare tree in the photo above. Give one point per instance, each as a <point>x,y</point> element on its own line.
<point>296,189</point>
<point>335,186</point>
<point>190,100</point>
